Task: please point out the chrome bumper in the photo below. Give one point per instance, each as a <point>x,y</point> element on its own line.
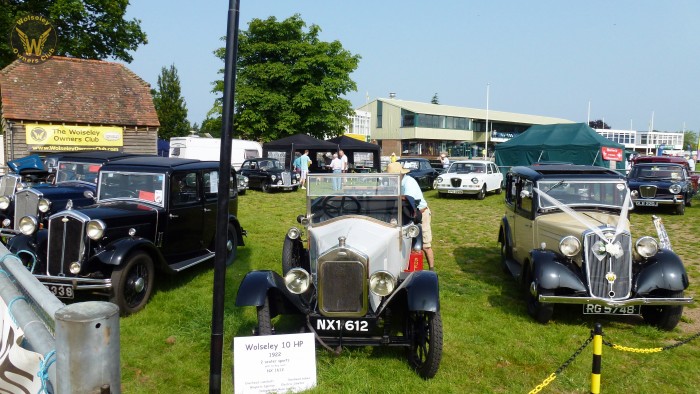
<point>77,283</point>
<point>614,303</point>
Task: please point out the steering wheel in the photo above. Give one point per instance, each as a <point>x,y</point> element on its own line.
<point>334,206</point>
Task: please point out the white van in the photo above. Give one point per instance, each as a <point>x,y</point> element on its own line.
<point>204,148</point>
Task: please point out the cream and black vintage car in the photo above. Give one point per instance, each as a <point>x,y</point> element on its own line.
<point>352,272</point>
<point>566,237</point>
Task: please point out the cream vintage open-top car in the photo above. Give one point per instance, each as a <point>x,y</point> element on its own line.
<point>566,237</point>
<point>352,271</point>
<point>474,177</point>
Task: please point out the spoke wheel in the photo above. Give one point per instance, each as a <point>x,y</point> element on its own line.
<point>265,187</point>
<point>132,283</point>
<point>264,319</point>
<point>293,255</point>
<point>665,317</point>
<point>231,245</point>
<point>504,255</point>
<point>425,352</point>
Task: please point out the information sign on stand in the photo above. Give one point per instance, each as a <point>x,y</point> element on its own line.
<point>274,363</point>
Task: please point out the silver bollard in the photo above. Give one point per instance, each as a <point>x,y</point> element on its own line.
<point>87,348</point>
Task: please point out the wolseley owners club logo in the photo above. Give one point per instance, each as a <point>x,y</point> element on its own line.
<point>33,39</point>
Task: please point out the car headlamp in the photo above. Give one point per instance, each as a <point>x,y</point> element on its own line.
<point>243,180</point>
<point>273,177</point>
<point>439,179</point>
<point>74,268</point>
<point>646,247</point>
<point>4,202</point>
<point>297,280</point>
<point>382,283</point>
<point>293,233</point>
<point>634,193</point>
<point>412,231</point>
<point>44,205</point>
<point>6,222</point>
<point>569,246</point>
<point>20,186</point>
<point>475,180</point>
<point>675,188</point>
<point>28,225</point>
<point>95,229</point>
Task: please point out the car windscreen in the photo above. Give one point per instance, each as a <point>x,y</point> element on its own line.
<point>667,172</point>
<point>140,186</point>
<point>269,164</point>
<point>583,193</point>
<point>74,171</point>
<point>371,195</point>
<point>467,168</point>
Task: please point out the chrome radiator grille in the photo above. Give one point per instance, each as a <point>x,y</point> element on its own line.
<point>7,185</point>
<point>286,178</point>
<point>66,243</point>
<point>26,203</point>
<point>608,277</point>
<point>456,182</point>
<point>342,287</point>
<point>647,191</point>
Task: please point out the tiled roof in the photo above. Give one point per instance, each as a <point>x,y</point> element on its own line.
<point>70,90</point>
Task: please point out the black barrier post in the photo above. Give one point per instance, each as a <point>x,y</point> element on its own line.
<point>597,361</point>
<point>217,315</point>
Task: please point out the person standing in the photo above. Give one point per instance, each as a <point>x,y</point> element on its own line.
<point>296,165</point>
<point>392,158</point>
<point>337,168</point>
<point>445,161</point>
<point>304,163</point>
<point>691,162</point>
<point>344,159</point>
<point>410,187</point>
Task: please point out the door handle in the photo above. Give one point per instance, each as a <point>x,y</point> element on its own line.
<point>172,216</point>
<point>207,210</point>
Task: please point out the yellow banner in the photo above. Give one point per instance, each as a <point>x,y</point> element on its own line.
<point>61,138</point>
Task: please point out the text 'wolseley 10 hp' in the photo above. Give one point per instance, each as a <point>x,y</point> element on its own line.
<point>356,279</point>
<point>566,236</point>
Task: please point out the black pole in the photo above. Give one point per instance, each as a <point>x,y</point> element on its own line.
<point>217,315</point>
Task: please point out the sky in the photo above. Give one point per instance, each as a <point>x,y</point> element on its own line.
<point>631,63</point>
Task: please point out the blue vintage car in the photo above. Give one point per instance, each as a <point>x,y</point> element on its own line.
<point>661,184</point>
<point>74,180</point>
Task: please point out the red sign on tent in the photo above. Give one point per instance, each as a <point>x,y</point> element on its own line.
<point>612,153</point>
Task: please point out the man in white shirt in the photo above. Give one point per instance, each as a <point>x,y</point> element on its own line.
<point>337,168</point>
<point>344,159</point>
<point>410,187</point>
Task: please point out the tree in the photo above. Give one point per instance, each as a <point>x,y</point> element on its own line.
<point>170,106</point>
<point>90,29</point>
<point>690,139</point>
<point>435,99</point>
<point>598,124</point>
<point>288,82</point>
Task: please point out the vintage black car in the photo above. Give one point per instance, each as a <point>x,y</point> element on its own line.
<point>566,237</point>
<point>268,174</point>
<point>661,184</point>
<point>74,179</point>
<point>421,171</point>
<point>356,279</point>
<point>151,213</point>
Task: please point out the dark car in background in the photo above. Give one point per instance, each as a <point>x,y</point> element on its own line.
<point>694,178</point>
<point>661,184</point>
<point>268,174</point>
<point>153,214</point>
<point>420,170</point>
<point>74,179</point>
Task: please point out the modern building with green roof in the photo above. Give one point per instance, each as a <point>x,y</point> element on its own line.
<point>424,129</point>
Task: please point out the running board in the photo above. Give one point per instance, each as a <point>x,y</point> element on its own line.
<point>514,268</point>
<point>191,262</point>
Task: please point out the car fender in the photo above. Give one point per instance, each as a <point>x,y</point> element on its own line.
<point>115,252</point>
<point>256,285</point>
<point>239,230</point>
<point>505,230</point>
<point>422,292</point>
<point>667,273</point>
<point>33,245</point>
<point>550,274</point>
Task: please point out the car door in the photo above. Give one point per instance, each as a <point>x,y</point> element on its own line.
<point>523,236</point>
<point>492,182</point>
<point>210,186</point>
<point>183,231</point>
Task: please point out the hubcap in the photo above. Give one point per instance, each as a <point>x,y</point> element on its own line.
<point>139,284</point>
<point>229,245</point>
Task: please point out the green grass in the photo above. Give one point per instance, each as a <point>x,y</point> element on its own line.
<point>491,345</point>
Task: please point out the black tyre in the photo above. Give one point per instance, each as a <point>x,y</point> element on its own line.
<point>541,312</point>
<point>688,201</point>
<point>132,283</point>
<point>231,244</point>
<point>499,190</point>
<point>264,319</point>
<point>265,187</point>
<point>680,209</point>
<point>425,352</point>
<point>482,193</point>
<point>665,317</point>
<point>293,255</point>
<point>241,192</point>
